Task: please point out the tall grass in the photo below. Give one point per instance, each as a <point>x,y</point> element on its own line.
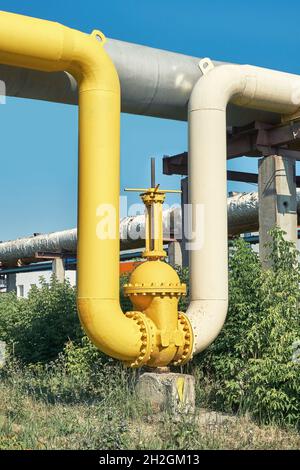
<point>47,407</point>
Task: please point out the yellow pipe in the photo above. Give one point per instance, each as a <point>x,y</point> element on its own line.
<point>157,334</point>
<point>47,46</point>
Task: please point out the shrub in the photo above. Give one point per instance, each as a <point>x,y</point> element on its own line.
<point>9,316</point>
<point>250,364</point>
<point>183,274</point>
<point>37,329</point>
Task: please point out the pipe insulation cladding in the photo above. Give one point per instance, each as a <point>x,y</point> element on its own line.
<point>246,86</point>
<point>242,212</point>
<point>154,82</point>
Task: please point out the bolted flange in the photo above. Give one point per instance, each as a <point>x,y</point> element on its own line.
<point>147,339</point>
<point>161,288</point>
<point>185,353</point>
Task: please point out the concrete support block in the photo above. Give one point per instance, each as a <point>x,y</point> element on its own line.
<point>11,283</point>
<point>277,200</point>
<point>168,391</point>
<point>58,269</point>
<point>174,253</point>
<point>184,202</point>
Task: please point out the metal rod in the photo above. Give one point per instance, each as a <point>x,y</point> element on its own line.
<point>152,172</point>
<point>144,190</point>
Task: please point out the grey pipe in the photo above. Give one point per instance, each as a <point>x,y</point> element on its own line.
<point>242,217</point>
<point>23,248</point>
<point>154,83</point>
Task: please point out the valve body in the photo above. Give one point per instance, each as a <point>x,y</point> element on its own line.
<point>154,289</point>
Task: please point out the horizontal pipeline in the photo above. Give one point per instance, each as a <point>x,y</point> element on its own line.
<point>154,82</point>
<point>242,217</point>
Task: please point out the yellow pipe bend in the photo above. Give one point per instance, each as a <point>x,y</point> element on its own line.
<point>47,46</point>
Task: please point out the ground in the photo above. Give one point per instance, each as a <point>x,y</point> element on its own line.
<point>28,421</point>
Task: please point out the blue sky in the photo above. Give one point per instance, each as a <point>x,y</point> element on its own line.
<point>39,140</point>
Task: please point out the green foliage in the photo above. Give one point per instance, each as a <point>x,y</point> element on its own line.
<point>37,328</point>
<point>72,402</point>
<point>183,274</point>
<point>43,407</point>
<point>9,316</point>
<point>250,364</point>
<point>79,374</point>
<point>124,301</point>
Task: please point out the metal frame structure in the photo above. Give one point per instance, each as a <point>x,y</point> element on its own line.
<point>255,140</point>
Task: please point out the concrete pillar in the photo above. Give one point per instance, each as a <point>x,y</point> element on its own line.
<point>58,269</point>
<point>167,391</point>
<point>174,253</point>
<point>184,201</point>
<point>277,200</point>
<point>11,282</point>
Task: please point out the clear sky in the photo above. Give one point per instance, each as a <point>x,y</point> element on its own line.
<point>39,140</point>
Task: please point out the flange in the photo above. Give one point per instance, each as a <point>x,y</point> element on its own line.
<point>147,339</point>
<point>185,353</point>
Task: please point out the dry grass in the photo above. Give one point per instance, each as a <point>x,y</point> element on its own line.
<point>203,432</point>
<point>29,422</point>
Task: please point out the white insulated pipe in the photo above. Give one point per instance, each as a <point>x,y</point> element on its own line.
<point>243,85</point>
<point>154,82</point>
<point>242,215</point>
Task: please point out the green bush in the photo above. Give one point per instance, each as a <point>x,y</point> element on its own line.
<point>183,274</point>
<point>250,364</point>
<point>37,329</point>
<point>9,316</point>
<point>80,373</point>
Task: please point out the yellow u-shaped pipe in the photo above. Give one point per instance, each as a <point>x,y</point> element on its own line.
<point>158,334</point>
<point>47,46</point>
